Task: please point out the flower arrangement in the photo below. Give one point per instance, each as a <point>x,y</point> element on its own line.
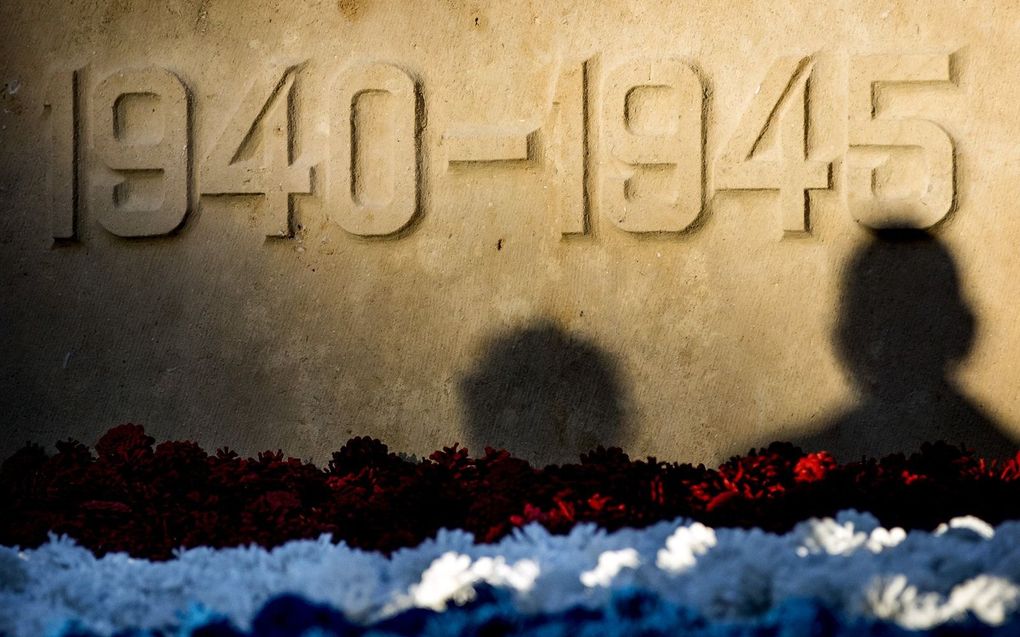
<point>143,539</point>
<point>148,501</point>
<point>848,571</point>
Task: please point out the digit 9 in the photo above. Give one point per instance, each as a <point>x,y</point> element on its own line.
<point>140,148</point>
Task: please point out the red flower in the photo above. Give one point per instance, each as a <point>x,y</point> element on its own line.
<point>149,502</point>
<point>814,466</point>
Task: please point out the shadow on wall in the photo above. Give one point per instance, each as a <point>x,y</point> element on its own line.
<point>544,395</point>
<point>903,329</point>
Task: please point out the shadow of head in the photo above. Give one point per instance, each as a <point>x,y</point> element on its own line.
<point>903,323</point>
<point>903,328</point>
<point>543,394</point>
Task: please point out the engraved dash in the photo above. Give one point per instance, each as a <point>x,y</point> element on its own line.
<point>488,145</point>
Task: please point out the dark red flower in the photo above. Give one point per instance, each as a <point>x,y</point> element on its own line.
<point>814,466</point>
<point>150,502</point>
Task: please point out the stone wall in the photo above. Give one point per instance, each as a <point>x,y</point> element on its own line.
<point>544,225</point>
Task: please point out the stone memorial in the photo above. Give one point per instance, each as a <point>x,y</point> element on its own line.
<point>681,228</point>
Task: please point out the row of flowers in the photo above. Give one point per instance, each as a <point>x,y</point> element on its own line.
<point>628,613</point>
<point>148,501</point>
<point>859,577</point>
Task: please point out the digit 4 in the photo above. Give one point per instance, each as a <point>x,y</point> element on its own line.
<point>779,113</point>
<point>255,153</point>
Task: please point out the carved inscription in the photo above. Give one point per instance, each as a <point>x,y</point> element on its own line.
<point>779,107</point>
<point>651,174</point>
<point>558,146</point>
<point>255,153</point>
<point>63,107</point>
<point>474,145</point>
<point>875,136</point>
<point>372,183</point>
<point>565,135</point>
<point>638,141</point>
<point>140,135</point>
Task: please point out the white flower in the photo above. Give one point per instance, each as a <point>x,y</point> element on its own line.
<point>990,599</point>
<point>453,576</point>
<point>448,578</point>
<point>684,547</point>
<point>855,568</point>
<point>967,523</point>
<point>609,566</point>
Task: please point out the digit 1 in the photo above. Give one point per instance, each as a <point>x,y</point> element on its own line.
<point>61,106</point>
<point>567,148</point>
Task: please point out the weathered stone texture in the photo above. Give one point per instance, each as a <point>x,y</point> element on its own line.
<point>539,225</point>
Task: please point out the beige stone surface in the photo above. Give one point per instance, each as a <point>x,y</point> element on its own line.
<point>539,225</point>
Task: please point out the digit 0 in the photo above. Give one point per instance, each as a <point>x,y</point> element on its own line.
<point>372,185</point>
